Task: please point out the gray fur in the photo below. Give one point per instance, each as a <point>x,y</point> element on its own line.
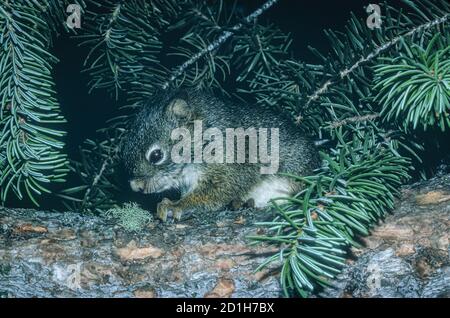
<point>219,183</point>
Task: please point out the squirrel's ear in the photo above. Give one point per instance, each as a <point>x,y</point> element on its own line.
<point>179,108</point>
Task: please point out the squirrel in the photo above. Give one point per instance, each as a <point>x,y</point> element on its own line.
<point>147,152</point>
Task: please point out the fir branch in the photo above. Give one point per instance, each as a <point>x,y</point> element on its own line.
<point>97,172</point>
<point>30,143</point>
<point>370,57</point>
<point>313,229</point>
<point>124,44</point>
<point>414,87</point>
<point>393,42</point>
<point>354,119</point>
<point>218,42</point>
<point>109,160</point>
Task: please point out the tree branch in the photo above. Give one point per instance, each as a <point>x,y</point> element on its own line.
<point>218,42</point>
<point>346,72</point>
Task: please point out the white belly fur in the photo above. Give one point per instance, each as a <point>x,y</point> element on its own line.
<point>273,187</point>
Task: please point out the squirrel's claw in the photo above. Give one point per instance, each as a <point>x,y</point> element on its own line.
<point>167,208</point>
<point>162,210</point>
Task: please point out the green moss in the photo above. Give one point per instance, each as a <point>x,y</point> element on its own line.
<point>131,217</point>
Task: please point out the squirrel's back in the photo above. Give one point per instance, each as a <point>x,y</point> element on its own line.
<point>298,154</point>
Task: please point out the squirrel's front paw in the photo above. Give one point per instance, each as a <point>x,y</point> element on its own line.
<point>167,208</point>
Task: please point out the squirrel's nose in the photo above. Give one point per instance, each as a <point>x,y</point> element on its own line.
<point>137,185</point>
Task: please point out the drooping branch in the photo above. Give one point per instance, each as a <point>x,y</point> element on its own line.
<point>355,119</point>
<point>109,159</point>
<point>219,41</point>
<point>388,45</point>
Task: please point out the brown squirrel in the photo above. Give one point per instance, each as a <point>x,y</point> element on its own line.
<point>151,149</point>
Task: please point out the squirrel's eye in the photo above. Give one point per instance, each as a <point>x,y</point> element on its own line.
<point>155,156</point>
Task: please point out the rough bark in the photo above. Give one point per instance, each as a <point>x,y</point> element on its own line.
<point>47,254</point>
<point>50,254</point>
<point>408,254</point>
